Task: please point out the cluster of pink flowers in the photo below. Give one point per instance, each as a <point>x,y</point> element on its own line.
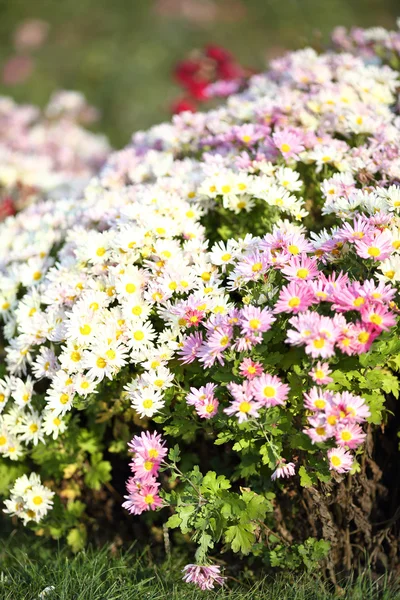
<point>239,329</point>
<point>204,576</point>
<point>336,416</point>
<point>259,390</point>
<point>149,451</point>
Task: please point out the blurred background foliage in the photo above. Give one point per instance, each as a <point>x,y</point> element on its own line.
<point>121,53</point>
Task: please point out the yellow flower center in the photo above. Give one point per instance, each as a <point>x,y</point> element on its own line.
<point>148,403</point>
<point>256,267</point>
<point>293,249</point>
<point>209,408</point>
<point>359,301</point>
<point>85,329</point>
<point>320,430</point>
<point>320,403</point>
<point>373,251</point>
<point>153,453</point>
<point>319,343</point>
<point>285,148</point>
<point>376,319</point>
<point>346,436</point>
<point>101,363</point>
<point>363,337</point>
<point>269,391</point>
<point>293,302</point>
<point>111,354</point>
<point>225,257</point>
<point>33,428</point>
<point>64,398</point>
<point>254,323</point>
<point>335,460</point>
<point>302,273</point>
<point>245,407</point>
<point>37,500</point>
<point>75,356</point>
<point>149,499</point>
<point>138,335</point>
<point>100,251</point>
<point>130,288</point>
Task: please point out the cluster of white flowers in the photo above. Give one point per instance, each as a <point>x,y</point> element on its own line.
<point>47,152</point>
<point>29,499</point>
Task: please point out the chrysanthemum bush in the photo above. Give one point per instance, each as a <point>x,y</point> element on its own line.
<point>43,153</point>
<point>221,306</point>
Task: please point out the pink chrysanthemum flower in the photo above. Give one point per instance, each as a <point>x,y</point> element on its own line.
<point>250,369</point>
<point>144,468</point>
<point>317,399</point>
<point>352,232</point>
<point>377,247</point>
<point>340,460</point>
<point>378,316</point>
<point>203,400</point>
<point>362,337</point>
<point>301,268</point>
<point>205,577</point>
<point>150,446</point>
<point>295,297</point>
<point>145,498</point>
<point>201,395</point>
<point>190,348</point>
<point>283,470</point>
<point>288,142</point>
<point>243,409</point>
<point>353,408</point>
<point>255,320</point>
<point>350,435</point>
<point>269,390</point>
<point>320,430</point>
<point>320,373</point>
<point>208,409</point>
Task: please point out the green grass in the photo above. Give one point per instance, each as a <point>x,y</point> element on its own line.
<point>108,575</point>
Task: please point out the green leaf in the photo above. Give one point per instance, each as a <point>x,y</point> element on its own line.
<point>174,521</point>
<point>98,473</point>
<point>205,542</point>
<point>174,454</point>
<point>213,484</point>
<point>256,505</point>
<point>240,537</point>
<point>76,538</point>
<point>185,514</point>
<point>76,508</point>
<point>305,479</point>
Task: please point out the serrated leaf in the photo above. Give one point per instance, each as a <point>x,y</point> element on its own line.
<point>213,484</point>
<point>174,521</point>
<point>240,537</point>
